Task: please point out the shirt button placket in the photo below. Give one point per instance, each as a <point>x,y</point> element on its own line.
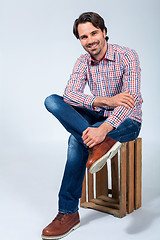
<point>100,78</point>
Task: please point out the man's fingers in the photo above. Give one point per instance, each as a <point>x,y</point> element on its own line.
<point>127,91</point>
<point>86,139</point>
<point>128,102</point>
<point>124,105</point>
<point>127,94</point>
<point>84,133</point>
<point>88,142</point>
<point>91,145</point>
<point>131,100</point>
<point>128,99</point>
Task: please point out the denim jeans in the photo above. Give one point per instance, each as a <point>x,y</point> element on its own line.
<point>75,120</point>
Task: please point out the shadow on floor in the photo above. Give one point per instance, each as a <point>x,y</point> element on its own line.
<point>91,217</point>
<point>143,218</point>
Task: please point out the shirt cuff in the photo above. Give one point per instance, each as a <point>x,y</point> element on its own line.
<point>113,121</point>
<point>88,101</point>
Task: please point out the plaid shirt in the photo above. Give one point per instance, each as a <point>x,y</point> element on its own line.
<point>117,72</point>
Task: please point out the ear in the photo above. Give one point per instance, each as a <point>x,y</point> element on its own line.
<point>104,33</point>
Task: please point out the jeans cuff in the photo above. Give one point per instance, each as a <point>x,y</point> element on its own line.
<point>68,211</point>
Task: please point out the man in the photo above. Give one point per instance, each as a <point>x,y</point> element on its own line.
<point>99,122</point>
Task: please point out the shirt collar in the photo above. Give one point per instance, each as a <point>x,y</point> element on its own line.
<point>108,56</point>
<point>110,52</point>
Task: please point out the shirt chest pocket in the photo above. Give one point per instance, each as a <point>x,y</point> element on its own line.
<point>114,81</point>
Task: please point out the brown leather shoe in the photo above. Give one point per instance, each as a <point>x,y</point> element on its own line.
<point>99,154</point>
<point>61,226</point>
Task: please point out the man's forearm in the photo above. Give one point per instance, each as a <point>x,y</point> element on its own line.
<point>100,101</point>
<point>122,99</point>
<point>106,127</point>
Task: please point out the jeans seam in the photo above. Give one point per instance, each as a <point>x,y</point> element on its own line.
<point>127,135</point>
<point>94,114</point>
<point>80,115</point>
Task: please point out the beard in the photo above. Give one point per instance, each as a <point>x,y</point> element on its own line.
<point>94,51</point>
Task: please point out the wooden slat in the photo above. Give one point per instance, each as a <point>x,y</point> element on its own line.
<point>90,186</point>
<point>129,189</point>
<point>115,177</point>
<point>91,205</point>
<point>130,177</point>
<point>138,172</point>
<point>105,204</point>
<point>83,196</point>
<point>108,199</point>
<point>123,180</point>
<point>102,181</point>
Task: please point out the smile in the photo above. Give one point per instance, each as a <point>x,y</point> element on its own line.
<point>93,46</point>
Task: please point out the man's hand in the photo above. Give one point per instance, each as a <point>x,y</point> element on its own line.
<point>122,99</point>
<point>92,136</point>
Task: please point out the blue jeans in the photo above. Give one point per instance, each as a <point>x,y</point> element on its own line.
<point>75,120</point>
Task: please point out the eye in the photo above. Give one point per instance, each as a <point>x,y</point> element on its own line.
<point>83,37</point>
<point>94,33</point>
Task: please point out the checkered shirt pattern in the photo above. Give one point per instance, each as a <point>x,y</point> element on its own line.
<point>117,72</point>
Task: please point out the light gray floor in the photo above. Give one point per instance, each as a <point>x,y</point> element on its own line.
<point>30,179</point>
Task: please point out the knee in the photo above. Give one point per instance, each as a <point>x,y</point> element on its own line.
<point>51,102</point>
<point>73,142</point>
<point>74,146</point>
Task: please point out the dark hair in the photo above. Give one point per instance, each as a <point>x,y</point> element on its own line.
<point>92,17</point>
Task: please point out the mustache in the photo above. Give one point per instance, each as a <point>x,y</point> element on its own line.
<point>91,44</point>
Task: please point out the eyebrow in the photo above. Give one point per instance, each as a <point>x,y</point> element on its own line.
<point>82,36</point>
<point>95,31</point>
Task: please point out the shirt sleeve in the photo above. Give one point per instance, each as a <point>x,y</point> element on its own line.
<point>74,91</point>
<point>131,82</point>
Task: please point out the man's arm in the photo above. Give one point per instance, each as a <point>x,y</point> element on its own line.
<point>124,102</point>
<point>123,99</point>
<point>131,82</point>
<point>93,136</point>
<point>74,91</point>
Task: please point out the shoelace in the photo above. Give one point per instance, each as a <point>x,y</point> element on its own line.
<point>60,216</point>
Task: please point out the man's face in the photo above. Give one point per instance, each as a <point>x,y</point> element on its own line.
<point>92,39</point>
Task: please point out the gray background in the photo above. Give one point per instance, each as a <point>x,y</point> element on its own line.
<point>37,54</point>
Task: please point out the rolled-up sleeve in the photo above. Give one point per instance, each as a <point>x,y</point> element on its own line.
<point>131,82</point>
<point>74,91</point>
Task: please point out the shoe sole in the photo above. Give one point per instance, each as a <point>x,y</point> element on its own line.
<point>61,236</point>
<point>99,164</point>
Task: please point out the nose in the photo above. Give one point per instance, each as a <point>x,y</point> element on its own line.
<point>90,39</point>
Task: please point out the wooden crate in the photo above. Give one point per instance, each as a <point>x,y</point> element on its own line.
<point>125,194</point>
